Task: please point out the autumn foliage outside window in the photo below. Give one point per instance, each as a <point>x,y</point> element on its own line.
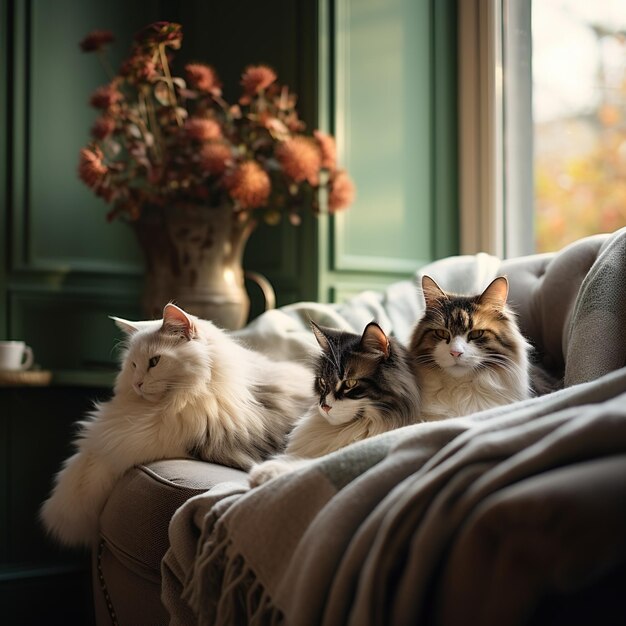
<point>579,94</point>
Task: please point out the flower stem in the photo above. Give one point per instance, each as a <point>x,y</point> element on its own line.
<point>170,83</point>
<point>146,123</point>
<point>104,61</point>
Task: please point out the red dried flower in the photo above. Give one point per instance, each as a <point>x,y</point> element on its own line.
<point>256,78</point>
<point>342,191</point>
<point>126,207</point>
<point>215,157</point>
<point>274,125</point>
<point>103,127</point>
<point>286,101</point>
<point>96,40</point>
<point>201,129</point>
<point>301,159</point>
<point>293,123</point>
<point>91,169</point>
<point>203,77</point>
<point>105,192</point>
<point>328,148</point>
<point>249,185</point>
<point>168,33</point>
<point>105,97</point>
<point>138,68</point>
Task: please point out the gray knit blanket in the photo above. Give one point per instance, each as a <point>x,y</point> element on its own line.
<point>465,521</point>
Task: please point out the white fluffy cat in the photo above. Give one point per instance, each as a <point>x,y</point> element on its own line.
<point>185,389</point>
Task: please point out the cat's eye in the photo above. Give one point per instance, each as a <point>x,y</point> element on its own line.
<point>134,364</point>
<point>442,334</point>
<point>153,361</point>
<point>351,383</point>
<point>322,383</point>
<point>475,334</point>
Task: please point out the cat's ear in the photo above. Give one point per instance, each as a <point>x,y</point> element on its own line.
<point>128,327</point>
<point>432,291</point>
<point>496,293</point>
<point>374,340</point>
<point>177,322</point>
<point>322,339</point>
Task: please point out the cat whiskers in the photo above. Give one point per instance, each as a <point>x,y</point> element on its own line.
<point>425,359</point>
<point>501,360</point>
<point>178,386</point>
<point>119,346</point>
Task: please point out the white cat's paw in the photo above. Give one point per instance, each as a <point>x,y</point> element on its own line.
<point>261,473</point>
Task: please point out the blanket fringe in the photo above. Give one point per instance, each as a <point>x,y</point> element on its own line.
<point>224,590</point>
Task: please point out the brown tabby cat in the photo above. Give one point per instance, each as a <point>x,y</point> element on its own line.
<point>467,352</point>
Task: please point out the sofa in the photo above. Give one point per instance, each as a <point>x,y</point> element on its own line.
<point>511,516</point>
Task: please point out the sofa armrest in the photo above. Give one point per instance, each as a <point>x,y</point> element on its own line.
<point>133,536</point>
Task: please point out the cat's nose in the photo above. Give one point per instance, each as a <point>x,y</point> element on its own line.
<point>456,353</point>
<point>326,408</point>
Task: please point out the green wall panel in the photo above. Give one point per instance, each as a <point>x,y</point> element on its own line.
<point>7,122</point>
<point>445,203</point>
<point>388,92</point>
<point>383,122</point>
<point>60,224</point>
<point>71,331</point>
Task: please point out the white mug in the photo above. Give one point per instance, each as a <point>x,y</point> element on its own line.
<point>15,355</point>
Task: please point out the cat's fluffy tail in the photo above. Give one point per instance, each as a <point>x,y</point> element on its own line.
<point>71,512</point>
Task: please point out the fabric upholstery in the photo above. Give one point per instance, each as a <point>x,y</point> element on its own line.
<point>133,532</point>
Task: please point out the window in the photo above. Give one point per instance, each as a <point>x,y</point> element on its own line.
<point>543,123</point>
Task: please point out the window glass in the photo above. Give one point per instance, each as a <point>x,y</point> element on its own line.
<point>579,111</point>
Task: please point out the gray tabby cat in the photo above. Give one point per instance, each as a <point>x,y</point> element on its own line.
<point>364,387</point>
<point>185,389</point>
